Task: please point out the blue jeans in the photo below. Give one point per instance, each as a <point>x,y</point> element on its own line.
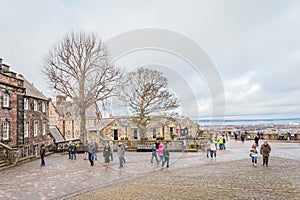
<point>91,158</point>
<point>42,161</point>
<point>161,158</point>
<point>121,161</point>
<point>254,159</point>
<point>154,155</point>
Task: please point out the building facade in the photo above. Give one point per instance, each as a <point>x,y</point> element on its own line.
<point>23,113</point>
<point>64,115</point>
<point>36,119</point>
<point>11,107</point>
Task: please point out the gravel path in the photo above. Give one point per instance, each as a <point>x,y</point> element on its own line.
<point>215,180</point>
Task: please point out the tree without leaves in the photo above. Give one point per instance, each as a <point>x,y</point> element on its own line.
<point>145,92</point>
<point>78,67</point>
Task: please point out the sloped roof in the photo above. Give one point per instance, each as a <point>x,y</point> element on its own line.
<point>32,91</point>
<point>69,107</point>
<point>56,134</point>
<point>104,123</point>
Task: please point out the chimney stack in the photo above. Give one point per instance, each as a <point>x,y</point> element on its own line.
<point>60,99</point>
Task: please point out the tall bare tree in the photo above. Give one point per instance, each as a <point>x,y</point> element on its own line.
<point>78,67</point>
<point>145,92</point>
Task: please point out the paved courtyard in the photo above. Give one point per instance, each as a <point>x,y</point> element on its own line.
<point>190,176</point>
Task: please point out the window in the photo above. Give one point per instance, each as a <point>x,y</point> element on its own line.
<point>154,133</point>
<point>135,134</point>
<point>26,129</point>
<point>35,105</point>
<point>35,129</point>
<point>25,104</point>
<point>44,128</point>
<point>5,130</point>
<point>43,107</point>
<point>6,100</point>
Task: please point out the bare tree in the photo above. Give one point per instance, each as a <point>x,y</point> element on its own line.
<point>145,92</point>
<point>78,67</point>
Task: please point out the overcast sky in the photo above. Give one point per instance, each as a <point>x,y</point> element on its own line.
<point>254,46</point>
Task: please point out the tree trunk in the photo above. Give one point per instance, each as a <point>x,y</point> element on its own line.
<point>83,132</point>
<point>142,131</point>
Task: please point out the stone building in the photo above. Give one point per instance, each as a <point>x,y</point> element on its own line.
<point>65,119</point>
<point>11,109</point>
<point>125,128</point>
<point>36,119</point>
<point>23,114</point>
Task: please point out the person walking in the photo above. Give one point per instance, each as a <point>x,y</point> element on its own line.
<point>256,139</point>
<point>183,146</point>
<point>265,150</point>
<point>42,154</point>
<point>106,153</point>
<point>112,145</point>
<point>121,154</point>
<point>253,155</point>
<point>160,152</point>
<point>69,150</point>
<point>91,153</point>
<point>213,151</point>
<point>96,150</point>
<point>154,153</point>
<point>73,151</point>
<point>166,154</point>
<point>221,142</point>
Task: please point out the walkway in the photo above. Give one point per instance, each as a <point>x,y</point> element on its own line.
<point>62,178</point>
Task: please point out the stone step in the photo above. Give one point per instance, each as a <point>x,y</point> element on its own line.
<point>3,164</point>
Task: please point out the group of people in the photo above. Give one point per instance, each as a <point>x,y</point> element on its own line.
<point>163,153</point>
<point>72,149</point>
<point>160,152</point>
<point>91,152</point>
<point>217,143</point>
<point>265,150</point>
<point>108,150</point>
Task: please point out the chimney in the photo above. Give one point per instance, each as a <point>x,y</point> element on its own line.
<point>0,65</point>
<point>60,99</point>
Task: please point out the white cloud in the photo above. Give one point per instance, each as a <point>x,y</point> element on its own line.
<point>254,44</point>
<point>241,88</point>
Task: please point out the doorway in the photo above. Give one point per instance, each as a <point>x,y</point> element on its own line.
<point>116,135</point>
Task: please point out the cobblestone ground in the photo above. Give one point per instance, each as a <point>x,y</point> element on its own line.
<point>190,176</point>
<point>226,180</point>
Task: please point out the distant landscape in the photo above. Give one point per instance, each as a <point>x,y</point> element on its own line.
<point>292,121</point>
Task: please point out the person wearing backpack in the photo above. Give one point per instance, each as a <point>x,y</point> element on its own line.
<point>73,151</point>
<point>154,153</point>
<point>220,141</point>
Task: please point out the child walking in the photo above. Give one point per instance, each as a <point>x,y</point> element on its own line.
<point>253,155</point>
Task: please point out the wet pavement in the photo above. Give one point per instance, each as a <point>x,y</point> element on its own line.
<point>62,178</point>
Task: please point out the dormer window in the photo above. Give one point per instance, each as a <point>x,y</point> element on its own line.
<point>6,100</point>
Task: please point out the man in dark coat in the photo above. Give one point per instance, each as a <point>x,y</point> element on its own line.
<point>265,150</point>
<point>42,154</point>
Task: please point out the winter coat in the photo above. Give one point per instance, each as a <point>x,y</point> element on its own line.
<point>166,152</point>
<point>265,150</point>
<point>121,151</point>
<point>154,150</point>
<point>106,153</point>
<point>42,151</point>
<point>160,150</point>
